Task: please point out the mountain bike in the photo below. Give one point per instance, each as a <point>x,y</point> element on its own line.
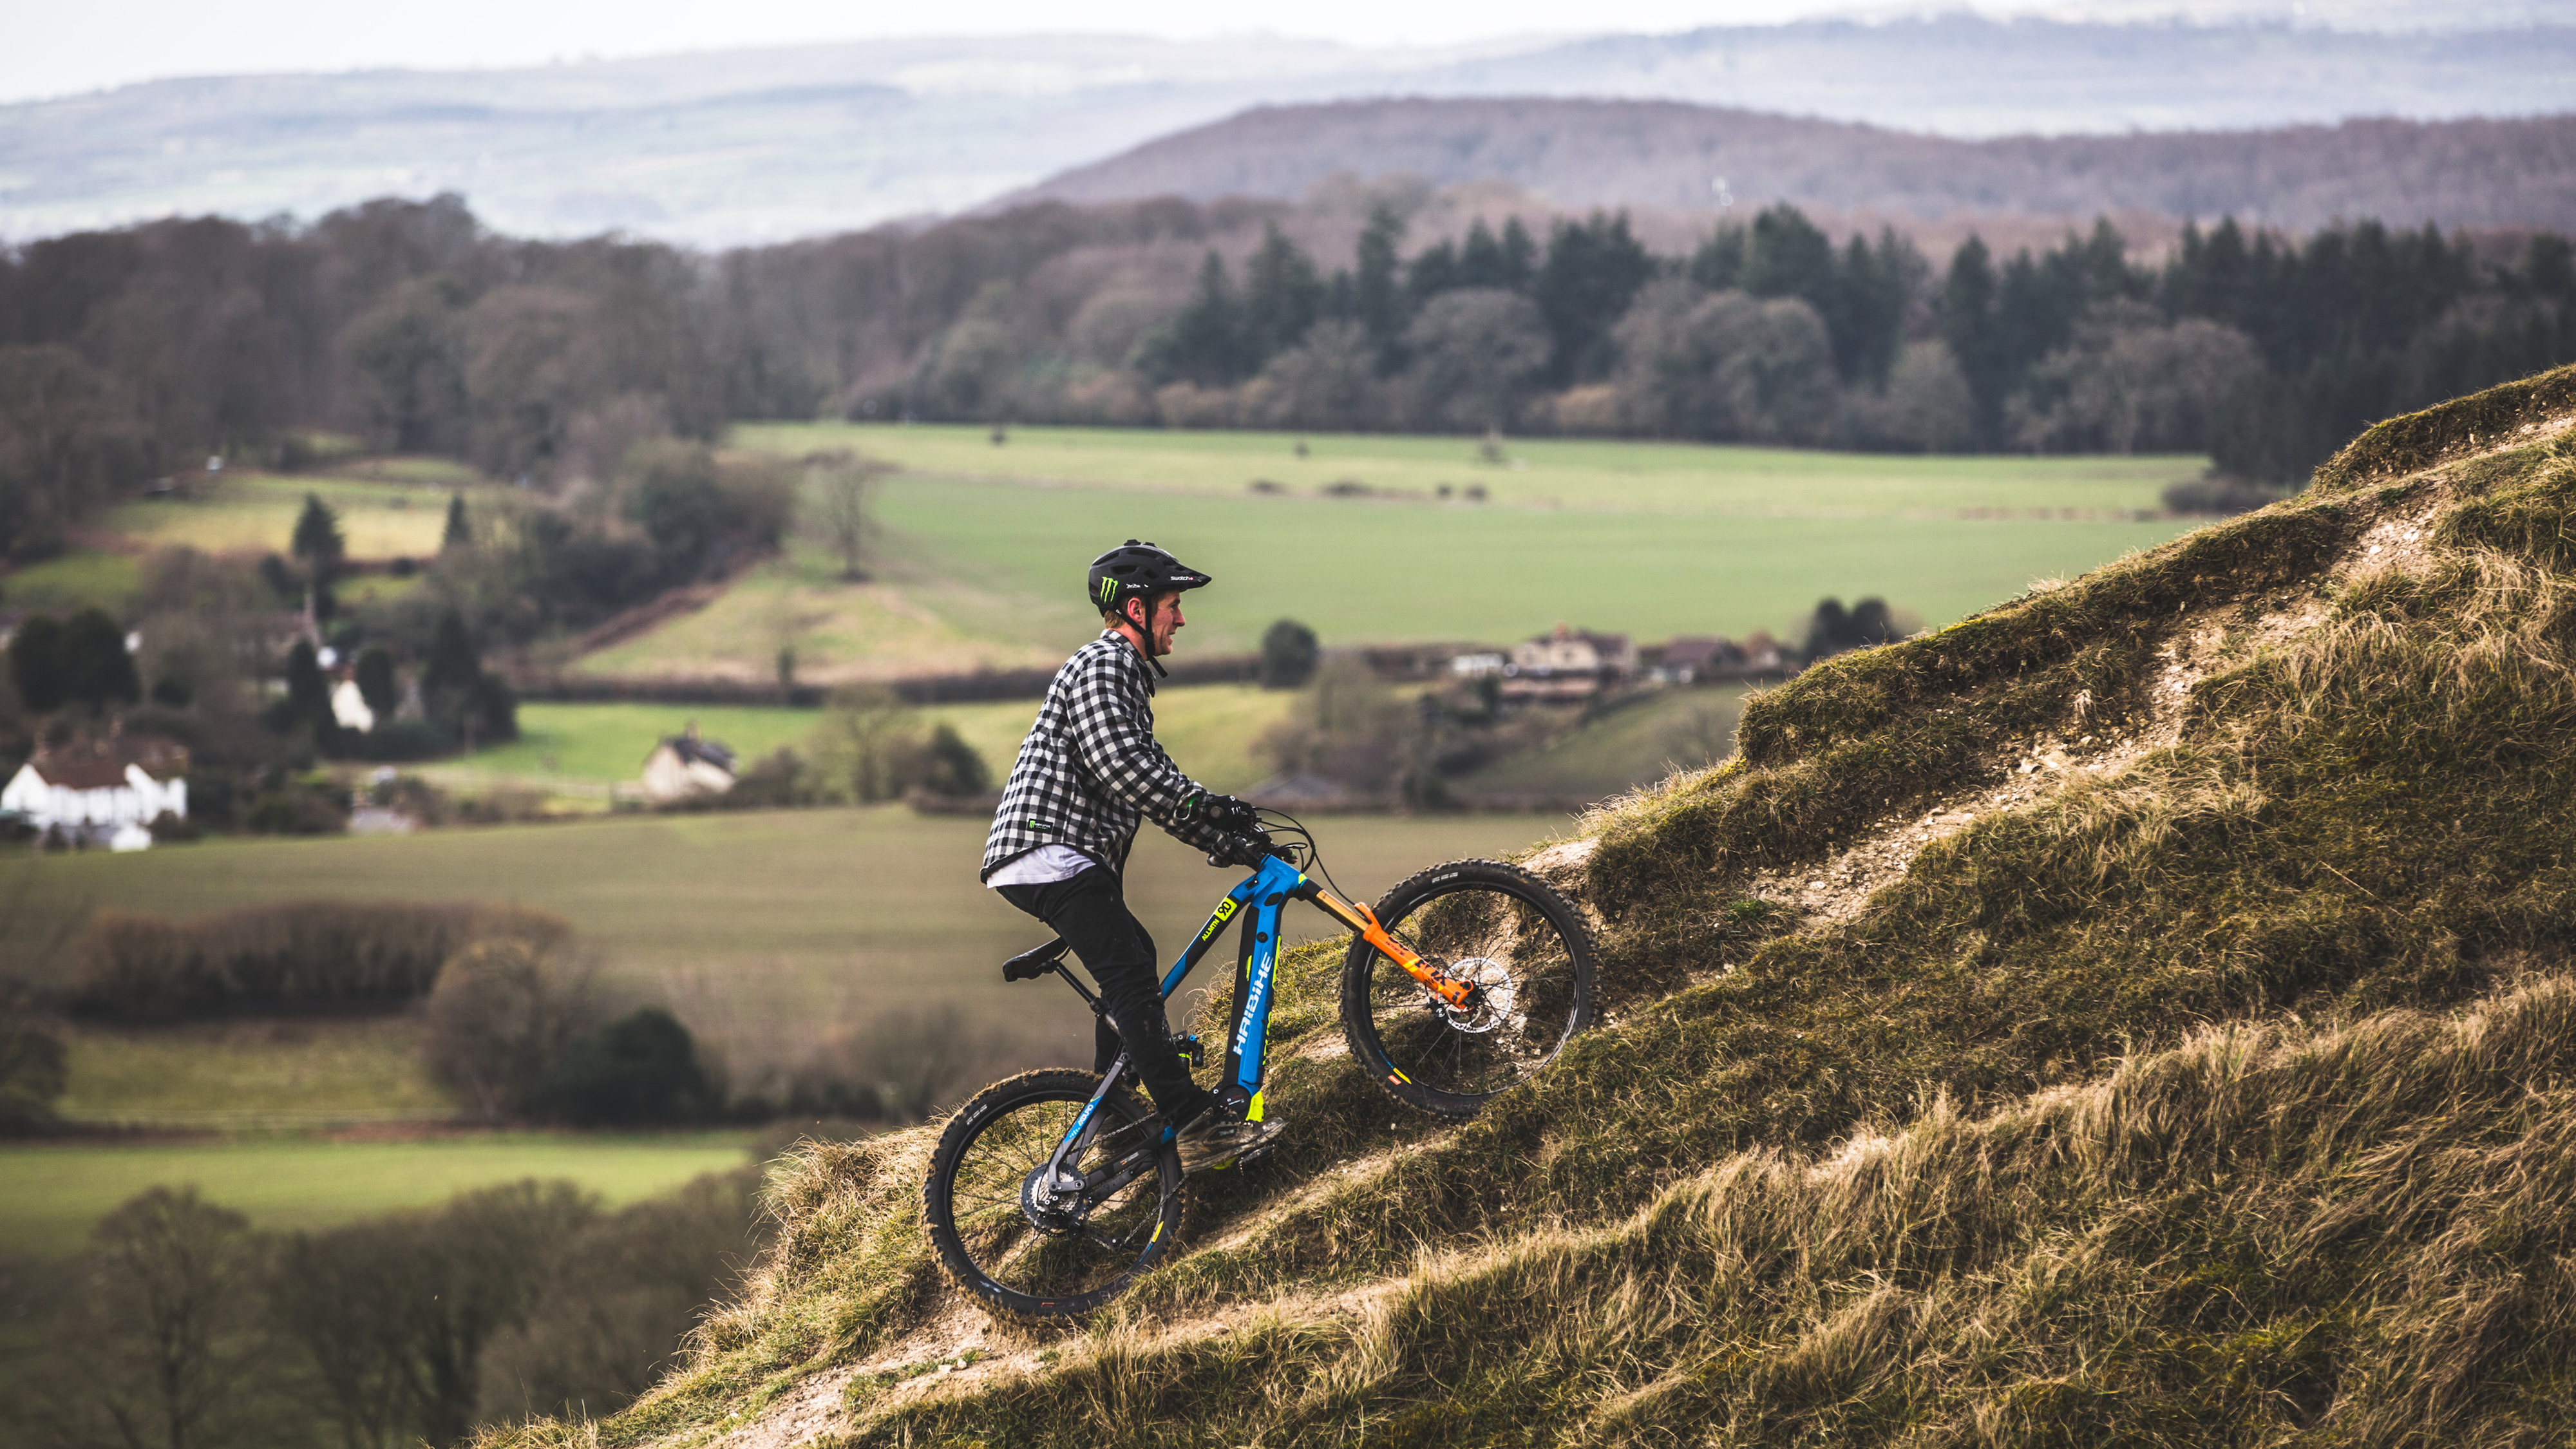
<point>1052,1191</point>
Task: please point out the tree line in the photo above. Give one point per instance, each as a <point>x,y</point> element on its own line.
<point>408,325</point>
<point>180,1326</point>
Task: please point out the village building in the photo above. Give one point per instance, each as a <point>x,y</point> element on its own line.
<point>349,707</point>
<point>104,793</point>
<point>685,767</point>
<point>1567,666</point>
<point>1690,658</point>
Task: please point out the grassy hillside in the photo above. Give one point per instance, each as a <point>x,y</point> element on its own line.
<point>2140,1012</point>
<point>1651,538</point>
<point>388,508</point>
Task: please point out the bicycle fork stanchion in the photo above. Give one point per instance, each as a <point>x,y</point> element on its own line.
<point>1363,920</point>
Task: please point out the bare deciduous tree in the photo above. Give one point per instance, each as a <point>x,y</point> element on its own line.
<point>502,1013</point>
<point>840,485</point>
<point>868,744</point>
<point>165,1347</point>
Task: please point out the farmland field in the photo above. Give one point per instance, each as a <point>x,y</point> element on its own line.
<point>585,749</point>
<point>390,508</point>
<point>765,931</point>
<point>252,1074</point>
<point>256,513</point>
<point>51,1193</point>
<point>1584,474</point>
<point>1650,539</point>
<point>74,580</point>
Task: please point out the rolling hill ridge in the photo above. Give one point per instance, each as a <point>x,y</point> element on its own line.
<point>1611,153</point>
<point>2140,1010</point>
<point>763,145</point>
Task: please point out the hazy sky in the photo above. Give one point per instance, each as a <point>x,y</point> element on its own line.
<point>57,48</point>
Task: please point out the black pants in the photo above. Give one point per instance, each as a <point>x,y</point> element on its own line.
<point>1091,913</point>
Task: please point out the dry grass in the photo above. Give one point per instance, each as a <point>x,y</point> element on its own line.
<point>2213,1080</point>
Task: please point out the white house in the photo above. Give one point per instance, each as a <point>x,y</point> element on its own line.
<point>108,793</point>
<point>349,707</point>
<point>684,766</point>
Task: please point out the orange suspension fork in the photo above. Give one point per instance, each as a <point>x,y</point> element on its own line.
<point>1363,920</point>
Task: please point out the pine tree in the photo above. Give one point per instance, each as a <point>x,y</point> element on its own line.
<point>308,692</point>
<point>1967,315</point>
<point>376,683</point>
<point>459,534</point>
<point>1593,268</point>
<point>1204,342</point>
<point>1282,297</point>
<point>1376,296</point>
<point>454,666</point>
<point>317,540</point>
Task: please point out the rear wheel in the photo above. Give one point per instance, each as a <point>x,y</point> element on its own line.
<point>1503,931</point>
<point>1036,1250</point>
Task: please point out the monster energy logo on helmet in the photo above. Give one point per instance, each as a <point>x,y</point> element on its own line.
<point>1136,570</point>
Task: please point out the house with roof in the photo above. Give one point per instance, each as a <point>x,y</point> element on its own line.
<point>1567,666</point>
<point>106,792</point>
<point>685,767</point>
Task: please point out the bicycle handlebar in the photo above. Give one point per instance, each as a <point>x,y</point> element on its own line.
<point>1242,850</point>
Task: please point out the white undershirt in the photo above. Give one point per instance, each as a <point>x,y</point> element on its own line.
<point>1043,866</point>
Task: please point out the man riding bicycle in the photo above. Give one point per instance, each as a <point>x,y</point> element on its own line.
<point>1087,774</point>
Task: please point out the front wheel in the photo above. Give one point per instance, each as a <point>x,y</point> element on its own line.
<point>1508,934</point>
<point>1036,1249</point>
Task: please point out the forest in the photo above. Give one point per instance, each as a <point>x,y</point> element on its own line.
<point>409,326</point>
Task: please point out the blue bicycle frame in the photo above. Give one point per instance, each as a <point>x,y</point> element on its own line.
<point>1253,907</point>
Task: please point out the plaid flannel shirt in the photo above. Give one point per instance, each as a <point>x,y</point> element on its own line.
<point>1090,770</point>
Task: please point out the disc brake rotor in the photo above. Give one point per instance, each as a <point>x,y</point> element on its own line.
<point>1491,1006</point>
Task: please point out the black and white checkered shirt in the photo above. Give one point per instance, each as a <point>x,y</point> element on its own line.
<point>1090,770</point>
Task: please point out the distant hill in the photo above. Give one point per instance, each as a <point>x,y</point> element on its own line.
<point>1576,153</point>
<point>753,145</point>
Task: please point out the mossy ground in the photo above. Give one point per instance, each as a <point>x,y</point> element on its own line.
<point>2207,1075</point>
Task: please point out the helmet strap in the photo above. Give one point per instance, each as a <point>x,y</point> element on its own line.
<point>1145,635</point>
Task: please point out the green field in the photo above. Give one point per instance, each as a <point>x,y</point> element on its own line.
<point>1651,539</point>
<point>50,1194</point>
<point>1638,744</point>
<point>765,931</point>
<point>389,508</point>
<point>381,518</point>
<point>74,580</point>
<point>1583,474</point>
<point>587,749</point>
<point>253,1075</point>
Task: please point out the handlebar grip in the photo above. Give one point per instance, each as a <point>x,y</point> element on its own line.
<point>1246,850</point>
<point>1030,965</point>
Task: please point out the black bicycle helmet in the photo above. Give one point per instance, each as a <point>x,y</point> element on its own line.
<point>1135,570</point>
